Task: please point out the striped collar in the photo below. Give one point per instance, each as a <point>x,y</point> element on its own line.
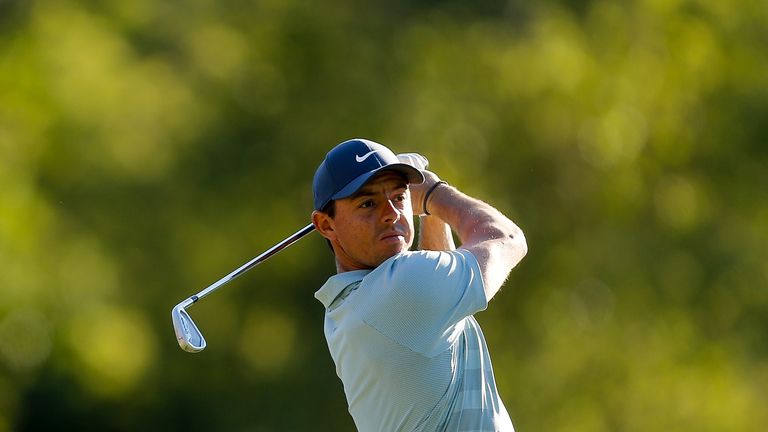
<point>336,284</point>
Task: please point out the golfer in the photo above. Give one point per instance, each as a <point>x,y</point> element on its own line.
<point>399,323</point>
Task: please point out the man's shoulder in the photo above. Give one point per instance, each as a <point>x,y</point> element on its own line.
<point>424,266</point>
<point>426,290</point>
<point>427,257</point>
<point>424,255</point>
<point>410,262</point>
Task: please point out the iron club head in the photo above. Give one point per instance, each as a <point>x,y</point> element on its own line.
<point>187,334</point>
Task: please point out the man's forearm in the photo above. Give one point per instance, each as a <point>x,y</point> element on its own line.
<point>435,235</point>
<point>474,220</point>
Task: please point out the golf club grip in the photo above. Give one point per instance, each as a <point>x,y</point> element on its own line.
<point>254,262</point>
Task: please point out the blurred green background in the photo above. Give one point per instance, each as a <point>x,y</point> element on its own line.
<point>148,148</point>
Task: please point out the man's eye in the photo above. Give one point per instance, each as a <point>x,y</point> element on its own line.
<point>400,198</point>
<point>366,204</point>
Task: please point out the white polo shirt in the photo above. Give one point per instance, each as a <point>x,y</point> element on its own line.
<point>407,349</point>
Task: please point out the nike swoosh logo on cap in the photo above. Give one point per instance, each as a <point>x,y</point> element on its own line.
<point>365,156</point>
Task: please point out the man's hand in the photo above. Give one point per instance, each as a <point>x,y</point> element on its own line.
<point>417,191</point>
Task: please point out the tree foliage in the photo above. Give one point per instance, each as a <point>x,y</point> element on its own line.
<point>148,148</point>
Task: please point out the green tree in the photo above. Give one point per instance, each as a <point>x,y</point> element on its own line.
<point>148,148</point>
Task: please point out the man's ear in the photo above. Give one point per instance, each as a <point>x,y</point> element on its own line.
<point>324,225</point>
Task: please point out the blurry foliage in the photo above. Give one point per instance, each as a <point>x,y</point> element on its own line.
<point>148,148</point>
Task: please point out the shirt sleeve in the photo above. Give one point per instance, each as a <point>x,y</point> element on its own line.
<point>422,298</point>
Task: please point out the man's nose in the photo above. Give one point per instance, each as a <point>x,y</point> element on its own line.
<point>391,212</point>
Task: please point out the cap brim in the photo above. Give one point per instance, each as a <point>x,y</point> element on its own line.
<point>412,174</point>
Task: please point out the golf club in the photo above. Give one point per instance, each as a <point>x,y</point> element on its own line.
<point>188,334</point>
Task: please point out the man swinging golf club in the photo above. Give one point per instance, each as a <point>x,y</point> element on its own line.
<point>399,323</point>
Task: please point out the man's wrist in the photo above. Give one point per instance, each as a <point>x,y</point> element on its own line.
<point>429,194</point>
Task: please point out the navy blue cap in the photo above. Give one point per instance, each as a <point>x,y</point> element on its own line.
<point>350,164</point>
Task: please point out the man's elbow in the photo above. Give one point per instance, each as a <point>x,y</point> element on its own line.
<point>507,239</point>
<point>521,243</point>
<point>517,244</point>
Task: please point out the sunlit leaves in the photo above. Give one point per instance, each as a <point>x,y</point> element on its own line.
<point>114,348</point>
<point>148,148</point>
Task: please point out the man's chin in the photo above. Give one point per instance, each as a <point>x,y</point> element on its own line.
<point>394,250</point>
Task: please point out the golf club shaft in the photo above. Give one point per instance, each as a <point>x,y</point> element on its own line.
<point>250,264</point>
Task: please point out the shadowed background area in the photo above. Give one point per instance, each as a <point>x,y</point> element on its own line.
<point>149,148</point>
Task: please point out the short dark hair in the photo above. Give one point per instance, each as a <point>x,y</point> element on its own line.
<point>330,210</point>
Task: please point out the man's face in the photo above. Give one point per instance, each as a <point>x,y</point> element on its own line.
<point>374,224</point>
